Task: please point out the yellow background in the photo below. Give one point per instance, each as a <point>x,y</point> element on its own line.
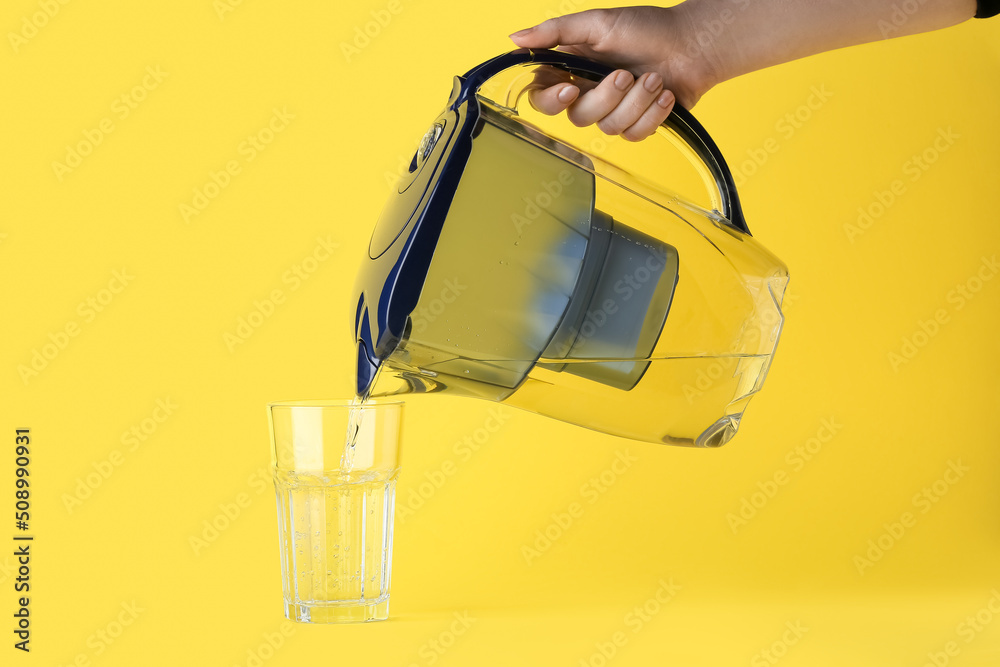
<point>324,176</point>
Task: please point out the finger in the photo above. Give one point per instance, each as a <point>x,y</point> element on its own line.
<point>652,118</point>
<point>633,105</point>
<point>595,104</point>
<point>581,28</point>
<point>546,76</point>
<point>554,99</point>
<point>551,90</point>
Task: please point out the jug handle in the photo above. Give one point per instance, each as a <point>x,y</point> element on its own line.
<point>680,120</point>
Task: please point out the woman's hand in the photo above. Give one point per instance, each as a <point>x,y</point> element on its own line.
<point>679,53</point>
<point>659,64</point>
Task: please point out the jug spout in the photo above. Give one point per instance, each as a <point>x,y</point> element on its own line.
<point>367,369</point>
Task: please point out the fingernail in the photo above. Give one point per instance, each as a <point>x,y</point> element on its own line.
<point>522,33</point>
<point>623,80</point>
<point>567,94</point>
<point>665,99</point>
<point>653,82</point>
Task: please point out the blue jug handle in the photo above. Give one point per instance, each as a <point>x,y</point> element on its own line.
<point>680,119</point>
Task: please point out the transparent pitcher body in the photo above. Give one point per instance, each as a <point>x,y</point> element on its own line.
<point>563,284</point>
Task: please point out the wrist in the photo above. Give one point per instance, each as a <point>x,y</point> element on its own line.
<point>706,34</point>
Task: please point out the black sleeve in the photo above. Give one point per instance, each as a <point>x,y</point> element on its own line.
<point>987,8</point>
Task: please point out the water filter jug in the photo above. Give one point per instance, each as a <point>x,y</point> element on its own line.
<point>520,264</point>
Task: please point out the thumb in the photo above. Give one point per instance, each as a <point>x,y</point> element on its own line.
<point>572,29</point>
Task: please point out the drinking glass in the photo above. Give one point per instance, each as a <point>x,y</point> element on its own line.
<point>336,500</point>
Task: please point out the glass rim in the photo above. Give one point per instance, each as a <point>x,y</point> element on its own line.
<point>336,403</point>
